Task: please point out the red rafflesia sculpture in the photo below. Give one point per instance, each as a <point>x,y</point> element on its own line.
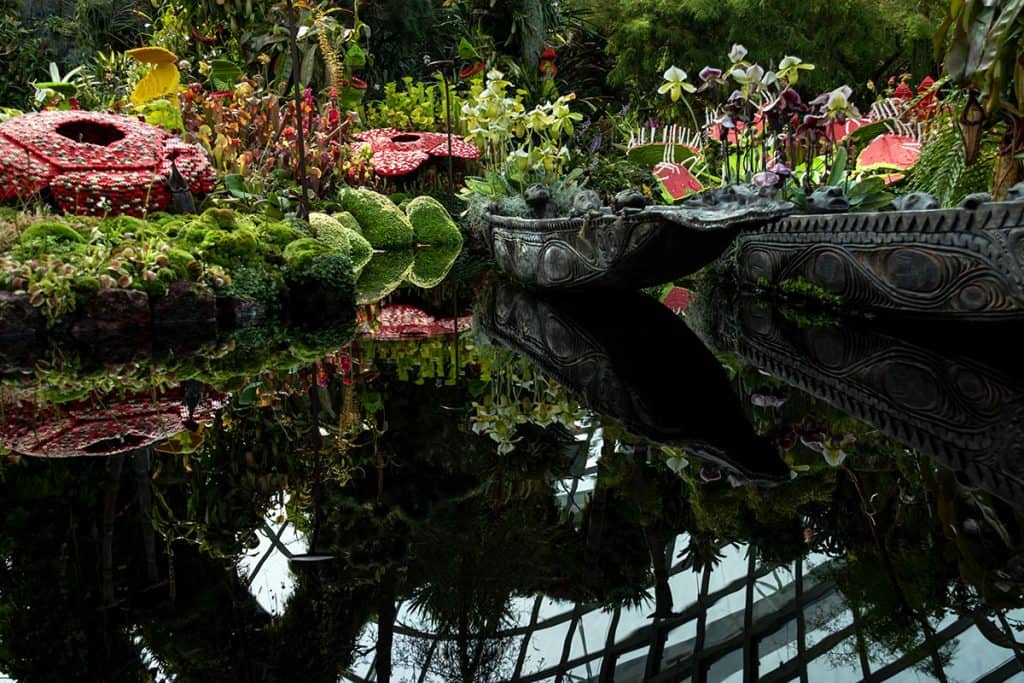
<point>397,153</point>
<point>96,164</point>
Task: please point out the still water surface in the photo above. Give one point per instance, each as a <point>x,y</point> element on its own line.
<point>482,484</point>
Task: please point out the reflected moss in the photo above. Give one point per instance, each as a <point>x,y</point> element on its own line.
<point>432,264</point>
<point>383,274</point>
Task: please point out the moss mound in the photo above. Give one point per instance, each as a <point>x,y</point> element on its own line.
<point>349,221</point>
<point>431,222</point>
<point>383,275</point>
<point>330,231</point>
<point>361,251</point>
<point>381,222</point>
<point>50,230</point>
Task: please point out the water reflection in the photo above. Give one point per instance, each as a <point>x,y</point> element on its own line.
<point>428,463</point>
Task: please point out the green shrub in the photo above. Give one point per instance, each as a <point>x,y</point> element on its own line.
<point>262,285</point>
<point>431,222</point>
<point>381,222</point>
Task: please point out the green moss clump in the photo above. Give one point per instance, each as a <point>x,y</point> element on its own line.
<point>174,227</point>
<point>432,264</point>
<point>225,219</point>
<point>298,254</point>
<point>229,249</point>
<point>50,230</point>
<point>360,250</point>
<point>330,232</point>
<point>800,287</point>
<point>320,287</point>
<point>382,223</point>
<point>277,235</point>
<point>154,287</point>
<point>119,225</point>
<point>349,221</point>
<point>383,275</point>
<point>85,287</point>
<point>431,222</point>
<point>180,261</point>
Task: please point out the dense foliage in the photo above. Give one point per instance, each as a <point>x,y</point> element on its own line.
<point>854,41</point>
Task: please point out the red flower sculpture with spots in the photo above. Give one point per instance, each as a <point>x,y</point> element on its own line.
<point>96,164</point>
<point>396,153</point>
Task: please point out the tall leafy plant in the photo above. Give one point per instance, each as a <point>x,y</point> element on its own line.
<point>984,52</point>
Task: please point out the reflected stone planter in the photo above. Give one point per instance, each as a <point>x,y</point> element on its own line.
<point>965,412</point>
<point>626,356</point>
<point>964,263</point>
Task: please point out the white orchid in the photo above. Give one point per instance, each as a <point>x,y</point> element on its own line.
<point>675,83</point>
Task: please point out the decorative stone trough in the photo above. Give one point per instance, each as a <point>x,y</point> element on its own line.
<point>965,262</point>
<point>96,164</point>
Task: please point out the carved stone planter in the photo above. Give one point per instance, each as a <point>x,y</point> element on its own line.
<point>949,262</point>
<point>629,250</point>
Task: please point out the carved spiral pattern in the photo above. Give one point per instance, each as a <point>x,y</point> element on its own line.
<point>944,262</point>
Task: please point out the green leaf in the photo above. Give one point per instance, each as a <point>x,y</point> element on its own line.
<point>307,66</point>
<point>467,52</point>
<point>868,185</point>
<point>234,183</point>
<point>248,394</point>
<point>224,74</point>
<point>838,167</point>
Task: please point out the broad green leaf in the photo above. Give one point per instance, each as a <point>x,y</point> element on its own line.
<point>838,167</point>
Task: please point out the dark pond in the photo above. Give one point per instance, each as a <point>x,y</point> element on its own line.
<point>474,483</point>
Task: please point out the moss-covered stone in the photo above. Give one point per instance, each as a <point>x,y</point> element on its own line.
<point>381,222</point>
<point>50,230</point>
<point>383,275</point>
<point>432,264</point>
<point>431,222</point>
